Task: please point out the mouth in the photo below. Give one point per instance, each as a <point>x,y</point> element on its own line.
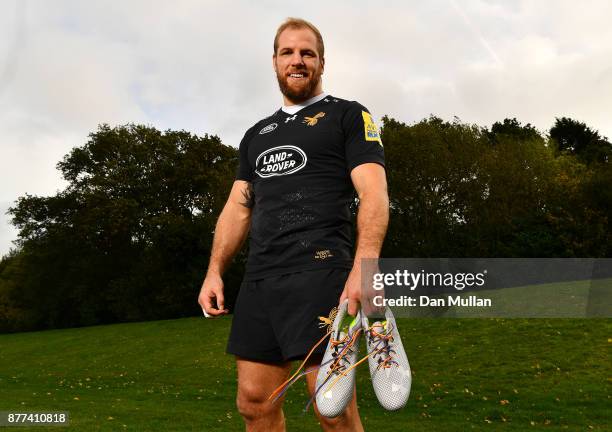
<point>297,76</point>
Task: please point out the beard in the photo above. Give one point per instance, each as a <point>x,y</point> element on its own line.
<point>303,92</point>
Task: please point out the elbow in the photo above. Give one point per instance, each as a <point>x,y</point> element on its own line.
<point>235,215</point>
<point>242,215</point>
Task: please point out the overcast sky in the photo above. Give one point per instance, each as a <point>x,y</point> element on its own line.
<point>205,66</point>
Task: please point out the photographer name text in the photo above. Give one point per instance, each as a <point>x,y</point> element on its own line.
<point>426,301</point>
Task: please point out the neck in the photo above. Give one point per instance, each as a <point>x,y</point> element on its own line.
<point>289,102</point>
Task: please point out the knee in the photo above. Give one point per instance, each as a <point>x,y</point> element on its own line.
<point>253,405</point>
<point>348,420</point>
<point>330,424</point>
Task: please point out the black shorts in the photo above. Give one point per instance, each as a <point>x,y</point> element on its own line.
<point>277,319</point>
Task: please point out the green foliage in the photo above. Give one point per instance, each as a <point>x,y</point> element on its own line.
<point>576,138</point>
<point>454,194</point>
<point>129,238</point>
<point>513,128</point>
<point>12,317</point>
<point>434,174</point>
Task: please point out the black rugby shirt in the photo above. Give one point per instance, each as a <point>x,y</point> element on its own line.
<point>300,168</point>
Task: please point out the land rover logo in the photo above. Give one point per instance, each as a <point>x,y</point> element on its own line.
<point>268,128</point>
<point>281,160</point>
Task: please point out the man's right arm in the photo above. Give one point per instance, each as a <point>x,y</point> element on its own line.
<point>230,232</point>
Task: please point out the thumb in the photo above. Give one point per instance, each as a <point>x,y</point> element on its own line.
<point>343,296</point>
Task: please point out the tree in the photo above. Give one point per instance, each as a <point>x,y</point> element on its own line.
<point>453,194</point>
<point>129,237</point>
<point>576,138</point>
<point>434,175</point>
<point>513,128</point>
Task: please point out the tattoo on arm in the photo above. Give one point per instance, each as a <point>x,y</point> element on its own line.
<point>248,199</point>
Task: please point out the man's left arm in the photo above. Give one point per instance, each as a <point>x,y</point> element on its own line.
<point>372,219</point>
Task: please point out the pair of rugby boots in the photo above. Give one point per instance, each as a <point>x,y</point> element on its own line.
<point>389,367</point>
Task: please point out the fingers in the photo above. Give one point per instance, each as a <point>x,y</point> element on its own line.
<point>212,307</point>
<point>221,302</point>
<point>212,311</point>
<point>208,307</point>
<point>368,308</point>
<point>353,306</point>
<point>212,302</point>
<point>352,297</point>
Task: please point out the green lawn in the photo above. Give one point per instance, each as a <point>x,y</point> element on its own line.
<point>554,300</point>
<point>468,374</point>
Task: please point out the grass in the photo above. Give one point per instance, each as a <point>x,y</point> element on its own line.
<point>552,300</point>
<point>174,375</point>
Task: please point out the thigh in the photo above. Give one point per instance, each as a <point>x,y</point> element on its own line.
<point>302,298</point>
<point>311,378</point>
<point>257,380</point>
<point>252,335</point>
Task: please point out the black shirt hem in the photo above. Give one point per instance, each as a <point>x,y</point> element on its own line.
<point>255,275</point>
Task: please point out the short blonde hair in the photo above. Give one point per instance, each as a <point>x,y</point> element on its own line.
<point>298,23</point>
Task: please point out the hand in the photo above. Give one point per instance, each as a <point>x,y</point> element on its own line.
<point>211,296</point>
<point>358,289</point>
<point>352,290</point>
<point>369,268</point>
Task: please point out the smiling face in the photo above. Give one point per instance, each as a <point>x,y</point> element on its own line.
<point>297,65</point>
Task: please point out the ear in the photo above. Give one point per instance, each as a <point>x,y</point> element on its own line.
<point>274,62</point>
<point>322,65</point>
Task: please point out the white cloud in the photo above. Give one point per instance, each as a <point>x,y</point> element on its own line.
<point>66,66</point>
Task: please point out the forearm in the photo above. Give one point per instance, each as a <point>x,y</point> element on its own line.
<point>372,222</point>
<point>230,232</point>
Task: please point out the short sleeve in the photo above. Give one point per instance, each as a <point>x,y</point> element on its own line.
<point>362,137</point>
<point>244,170</point>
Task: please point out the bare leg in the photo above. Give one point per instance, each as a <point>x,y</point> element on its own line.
<point>347,421</point>
<point>256,381</point>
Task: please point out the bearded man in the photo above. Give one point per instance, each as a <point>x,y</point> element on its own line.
<point>298,173</point>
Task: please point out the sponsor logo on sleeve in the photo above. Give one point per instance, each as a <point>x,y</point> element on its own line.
<point>268,128</point>
<point>371,130</point>
<point>279,161</point>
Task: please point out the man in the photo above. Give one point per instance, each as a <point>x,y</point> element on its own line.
<point>298,172</point>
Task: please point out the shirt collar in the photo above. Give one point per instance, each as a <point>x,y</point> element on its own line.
<point>292,109</point>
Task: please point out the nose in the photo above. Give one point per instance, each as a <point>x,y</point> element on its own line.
<point>297,59</point>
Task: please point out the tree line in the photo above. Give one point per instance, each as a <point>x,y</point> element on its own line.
<point>129,238</point>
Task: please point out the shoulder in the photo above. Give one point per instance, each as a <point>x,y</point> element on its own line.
<point>266,121</point>
<point>347,106</point>
<point>260,126</point>
<point>351,112</point>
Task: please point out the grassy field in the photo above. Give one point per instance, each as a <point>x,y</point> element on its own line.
<point>468,374</point>
<point>554,300</point>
